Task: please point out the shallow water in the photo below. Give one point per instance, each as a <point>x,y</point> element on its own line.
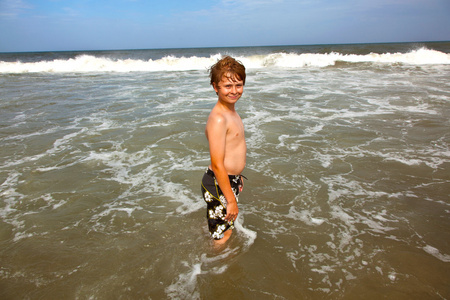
<point>348,167</point>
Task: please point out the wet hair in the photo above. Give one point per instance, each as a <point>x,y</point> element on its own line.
<point>228,67</point>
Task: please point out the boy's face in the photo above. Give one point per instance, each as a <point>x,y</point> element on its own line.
<point>229,89</point>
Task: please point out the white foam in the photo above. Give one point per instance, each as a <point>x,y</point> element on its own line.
<point>436,253</point>
<point>304,216</point>
<point>392,276</point>
<point>249,234</point>
<point>9,193</point>
<point>185,285</point>
<point>323,270</point>
<point>89,63</point>
<point>52,202</point>
<point>317,221</point>
<point>10,199</point>
<point>376,226</point>
<point>32,134</point>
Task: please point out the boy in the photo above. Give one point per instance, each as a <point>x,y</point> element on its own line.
<point>222,181</point>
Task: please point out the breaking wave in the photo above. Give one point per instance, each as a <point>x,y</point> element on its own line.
<point>86,63</point>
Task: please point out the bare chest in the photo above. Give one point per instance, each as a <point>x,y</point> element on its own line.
<point>235,130</point>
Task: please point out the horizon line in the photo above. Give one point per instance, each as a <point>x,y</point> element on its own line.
<point>219,47</point>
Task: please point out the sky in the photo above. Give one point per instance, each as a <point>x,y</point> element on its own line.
<point>64,25</point>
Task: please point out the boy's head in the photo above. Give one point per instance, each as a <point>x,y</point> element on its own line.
<point>228,67</point>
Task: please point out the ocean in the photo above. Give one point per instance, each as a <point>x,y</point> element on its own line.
<point>348,167</point>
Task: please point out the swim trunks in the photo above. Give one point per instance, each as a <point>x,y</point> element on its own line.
<point>216,204</point>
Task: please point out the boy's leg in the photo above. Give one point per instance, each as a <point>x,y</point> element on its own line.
<point>226,236</point>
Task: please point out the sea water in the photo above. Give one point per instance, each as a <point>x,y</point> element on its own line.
<point>348,171</point>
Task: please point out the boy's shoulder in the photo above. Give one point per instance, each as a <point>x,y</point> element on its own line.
<point>217,117</point>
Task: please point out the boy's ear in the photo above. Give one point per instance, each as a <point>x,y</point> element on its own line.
<point>215,87</point>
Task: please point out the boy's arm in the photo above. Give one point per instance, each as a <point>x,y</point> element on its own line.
<point>216,130</point>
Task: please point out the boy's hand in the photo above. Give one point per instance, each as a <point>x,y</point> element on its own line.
<point>232,211</point>
<point>241,186</point>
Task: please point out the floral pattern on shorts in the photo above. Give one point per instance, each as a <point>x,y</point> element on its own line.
<point>216,204</point>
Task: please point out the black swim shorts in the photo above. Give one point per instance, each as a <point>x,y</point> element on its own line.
<point>216,203</point>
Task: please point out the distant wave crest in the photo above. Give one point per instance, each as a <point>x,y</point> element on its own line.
<point>89,63</point>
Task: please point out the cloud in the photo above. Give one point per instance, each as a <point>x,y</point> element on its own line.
<point>13,8</point>
<point>252,3</point>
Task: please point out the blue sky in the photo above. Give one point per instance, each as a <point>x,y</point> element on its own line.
<point>55,25</point>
